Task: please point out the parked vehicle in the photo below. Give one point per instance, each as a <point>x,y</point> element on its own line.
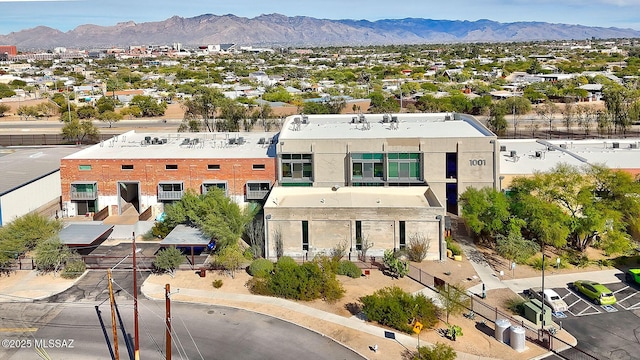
<point>632,275</point>
<point>551,298</point>
<point>595,291</point>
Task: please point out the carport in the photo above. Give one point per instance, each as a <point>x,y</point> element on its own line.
<point>84,237</point>
<point>186,237</point>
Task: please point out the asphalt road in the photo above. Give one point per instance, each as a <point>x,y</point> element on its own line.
<point>70,325</point>
<point>22,126</point>
<point>73,331</point>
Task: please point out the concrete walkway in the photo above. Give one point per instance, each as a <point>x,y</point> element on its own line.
<point>155,292</point>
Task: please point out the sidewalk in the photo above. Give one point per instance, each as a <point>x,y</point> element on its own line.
<point>265,305</point>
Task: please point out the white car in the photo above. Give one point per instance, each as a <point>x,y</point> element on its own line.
<point>551,298</point>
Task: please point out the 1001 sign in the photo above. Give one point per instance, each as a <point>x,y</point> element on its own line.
<point>477,162</point>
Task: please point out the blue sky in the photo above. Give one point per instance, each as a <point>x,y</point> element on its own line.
<point>16,15</point>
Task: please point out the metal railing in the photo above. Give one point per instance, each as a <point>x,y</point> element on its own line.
<point>256,194</point>
<point>542,338</point>
<point>170,195</point>
<point>84,195</point>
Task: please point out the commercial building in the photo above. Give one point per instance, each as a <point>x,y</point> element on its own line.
<point>524,157</point>
<point>144,171</point>
<point>377,177</point>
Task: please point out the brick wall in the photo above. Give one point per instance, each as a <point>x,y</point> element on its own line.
<point>149,172</point>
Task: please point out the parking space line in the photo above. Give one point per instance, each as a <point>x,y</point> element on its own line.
<point>627,297</point>
<point>633,307</point>
<point>575,302</point>
<point>617,291</point>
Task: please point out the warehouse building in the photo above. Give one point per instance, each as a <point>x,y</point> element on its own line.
<point>30,181</point>
<point>139,172</point>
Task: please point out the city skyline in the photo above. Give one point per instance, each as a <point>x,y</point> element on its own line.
<point>66,15</point>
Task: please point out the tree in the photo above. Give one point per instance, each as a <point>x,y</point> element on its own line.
<point>517,106</point>
<point>110,117</point>
<point>216,215</point>
<point>87,112</point>
<point>78,131</point>
<point>131,111</point>
<point>231,258</point>
<point>201,109</point>
<point>168,260</point>
<point>148,105</point>
<point>516,248</point>
<point>106,103</point>
<point>393,307</point>
<point>497,122</point>
<point>485,211</point>
<point>547,112</point>
<point>453,299</point>
<point>6,91</point>
<point>51,255</point>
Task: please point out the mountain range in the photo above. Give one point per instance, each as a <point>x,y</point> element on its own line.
<point>280,30</point>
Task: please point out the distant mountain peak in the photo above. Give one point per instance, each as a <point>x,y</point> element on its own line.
<point>277,29</point>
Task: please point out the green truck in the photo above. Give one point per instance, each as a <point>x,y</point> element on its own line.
<point>632,275</point>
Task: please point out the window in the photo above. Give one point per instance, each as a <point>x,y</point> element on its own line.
<point>259,166</point>
<point>367,166</point>
<point>403,235</point>
<point>171,167</point>
<point>213,167</point>
<point>126,167</point>
<point>452,166</point>
<point>404,166</point>
<point>210,186</point>
<point>305,235</point>
<point>84,167</point>
<point>297,167</point>
<point>358,235</point>
<point>170,191</point>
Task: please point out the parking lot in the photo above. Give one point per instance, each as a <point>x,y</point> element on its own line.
<point>628,298</point>
<point>612,334</point>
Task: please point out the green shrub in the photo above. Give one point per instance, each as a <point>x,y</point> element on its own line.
<point>396,267</point>
<point>418,247</point>
<point>217,283</point>
<point>73,269</point>
<point>346,267</point>
<point>605,263</point>
<point>536,263</point>
<point>439,351</point>
<point>309,281</point>
<point>453,246</point>
<point>576,258</point>
<point>260,268</point>
<point>516,305</point>
<point>393,307</point>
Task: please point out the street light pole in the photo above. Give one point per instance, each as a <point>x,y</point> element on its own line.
<point>136,338</point>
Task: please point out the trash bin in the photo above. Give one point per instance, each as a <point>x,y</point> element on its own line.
<point>203,272</point>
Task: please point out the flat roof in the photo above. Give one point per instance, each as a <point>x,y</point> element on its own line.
<point>83,234</point>
<point>201,145</point>
<point>183,235</point>
<point>383,126</point>
<point>21,166</point>
<point>542,155</point>
<point>351,197</point>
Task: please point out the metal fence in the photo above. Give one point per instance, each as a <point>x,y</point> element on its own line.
<point>108,262</point>
<point>544,339</point>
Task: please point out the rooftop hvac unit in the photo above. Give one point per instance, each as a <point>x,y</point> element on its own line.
<point>514,153</point>
<point>232,141</point>
<point>503,148</point>
<point>305,119</point>
<point>385,118</point>
<point>394,119</point>
<point>354,120</point>
<point>616,145</point>
<point>447,117</point>
<point>456,116</point>
<point>147,139</point>
<point>563,146</point>
<point>164,141</point>
<point>296,120</point>
<point>633,146</point>
<point>185,141</point>
<point>262,141</point>
<point>538,154</point>
<point>240,140</point>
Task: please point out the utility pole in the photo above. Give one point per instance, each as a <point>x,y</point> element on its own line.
<point>113,317</point>
<point>136,338</point>
<point>167,300</point>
